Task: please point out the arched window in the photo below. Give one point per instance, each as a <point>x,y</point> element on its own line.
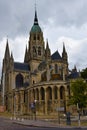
<point>33,92</point>
<point>49,93</point>
<point>42,94</point>
<point>62,92</point>
<point>56,68</point>
<point>38,37</point>
<point>34,51</point>
<point>39,50</point>
<point>37,94</point>
<point>19,81</point>
<point>34,37</point>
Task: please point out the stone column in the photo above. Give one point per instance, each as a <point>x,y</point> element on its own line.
<point>12,107</point>
<point>35,94</point>
<point>21,101</point>
<point>39,95</point>
<point>53,99</point>
<point>45,101</point>
<point>58,95</point>
<point>16,102</point>
<point>28,102</point>
<point>66,98</point>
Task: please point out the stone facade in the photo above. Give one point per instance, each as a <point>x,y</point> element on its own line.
<point>41,82</point>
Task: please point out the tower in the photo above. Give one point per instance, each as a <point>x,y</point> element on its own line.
<point>65,61</point>
<point>36,50</point>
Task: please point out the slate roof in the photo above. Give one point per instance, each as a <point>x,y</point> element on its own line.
<point>35,29</point>
<point>74,75</point>
<point>56,56</point>
<point>21,66</point>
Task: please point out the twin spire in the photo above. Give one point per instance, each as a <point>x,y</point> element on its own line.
<point>7,55</point>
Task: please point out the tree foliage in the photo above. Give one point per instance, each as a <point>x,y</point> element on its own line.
<point>84,73</point>
<point>78,93</point>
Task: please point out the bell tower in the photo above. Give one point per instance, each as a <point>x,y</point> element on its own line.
<point>36,50</point>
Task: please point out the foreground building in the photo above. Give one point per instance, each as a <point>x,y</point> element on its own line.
<point>41,81</point>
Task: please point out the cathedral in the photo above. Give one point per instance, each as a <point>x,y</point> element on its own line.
<point>41,82</point>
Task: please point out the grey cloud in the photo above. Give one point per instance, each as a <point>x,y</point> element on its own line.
<point>16,17</point>
<point>69,19</point>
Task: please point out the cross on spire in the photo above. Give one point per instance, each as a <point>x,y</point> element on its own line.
<point>35,5</point>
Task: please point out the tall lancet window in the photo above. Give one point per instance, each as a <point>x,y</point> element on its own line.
<point>34,37</point>
<point>34,51</point>
<point>56,68</point>
<point>39,50</point>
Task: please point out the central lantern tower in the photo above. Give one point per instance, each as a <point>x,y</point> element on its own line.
<point>36,51</point>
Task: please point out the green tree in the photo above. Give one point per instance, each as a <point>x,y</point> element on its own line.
<point>78,93</point>
<point>84,73</point>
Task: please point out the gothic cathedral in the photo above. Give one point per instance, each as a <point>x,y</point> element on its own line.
<point>41,80</point>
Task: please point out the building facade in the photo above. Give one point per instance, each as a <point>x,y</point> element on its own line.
<point>42,80</point>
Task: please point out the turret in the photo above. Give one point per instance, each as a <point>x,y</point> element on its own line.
<point>11,58</point>
<point>26,56</point>
<point>7,52</point>
<point>6,58</point>
<point>64,54</point>
<point>47,52</point>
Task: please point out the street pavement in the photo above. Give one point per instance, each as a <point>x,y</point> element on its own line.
<point>17,124</point>
<point>43,124</point>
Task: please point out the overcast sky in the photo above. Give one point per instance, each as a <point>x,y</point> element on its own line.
<point>61,21</point>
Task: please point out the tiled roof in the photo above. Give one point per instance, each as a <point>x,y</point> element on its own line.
<point>56,56</point>
<point>21,66</point>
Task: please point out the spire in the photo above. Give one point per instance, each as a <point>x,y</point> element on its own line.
<point>47,46</point>
<point>26,55</point>
<point>11,55</point>
<point>35,18</point>
<point>47,51</point>
<point>7,52</point>
<point>64,53</point>
<point>64,50</point>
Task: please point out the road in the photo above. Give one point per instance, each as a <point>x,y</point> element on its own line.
<point>7,124</point>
